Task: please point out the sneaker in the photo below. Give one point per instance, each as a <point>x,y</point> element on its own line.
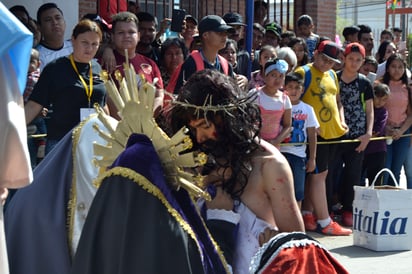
<point>347,218</point>
<point>310,222</point>
<point>334,229</point>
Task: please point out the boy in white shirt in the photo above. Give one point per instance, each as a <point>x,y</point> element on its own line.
<point>304,125</point>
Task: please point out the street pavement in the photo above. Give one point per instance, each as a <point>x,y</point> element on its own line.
<point>361,260</point>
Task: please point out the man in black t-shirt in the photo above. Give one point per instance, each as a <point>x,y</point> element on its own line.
<point>356,96</point>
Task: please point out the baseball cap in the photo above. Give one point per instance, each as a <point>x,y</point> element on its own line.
<point>96,18</point>
<point>330,49</point>
<point>350,30</point>
<point>355,47</point>
<point>233,19</point>
<point>191,18</point>
<point>274,27</point>
<point>213,23</point>
<point>259,3</point>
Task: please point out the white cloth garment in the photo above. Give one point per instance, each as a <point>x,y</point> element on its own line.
<point>247,243</point>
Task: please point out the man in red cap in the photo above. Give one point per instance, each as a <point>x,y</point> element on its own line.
<point>357,100</point>
<point>321,91</point>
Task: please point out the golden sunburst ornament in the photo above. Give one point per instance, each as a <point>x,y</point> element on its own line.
<point>136,109</point>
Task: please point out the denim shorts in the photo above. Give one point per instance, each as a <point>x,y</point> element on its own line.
<point>298,166</point>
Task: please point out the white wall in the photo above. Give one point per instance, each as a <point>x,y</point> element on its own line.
<point>70,10</point>
<point>373,14</point>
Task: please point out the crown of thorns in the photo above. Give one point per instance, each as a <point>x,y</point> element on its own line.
<point>240,105</point>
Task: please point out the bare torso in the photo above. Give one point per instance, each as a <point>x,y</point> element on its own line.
<point>269,192</point>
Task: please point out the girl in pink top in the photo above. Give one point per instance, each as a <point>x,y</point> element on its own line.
<point>275,106</point>
<point>399,113</point>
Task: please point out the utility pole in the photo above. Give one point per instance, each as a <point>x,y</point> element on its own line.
<point>355,12</point>
<point>403,23</point>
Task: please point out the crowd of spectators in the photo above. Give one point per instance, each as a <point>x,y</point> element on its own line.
<point>321,103</point>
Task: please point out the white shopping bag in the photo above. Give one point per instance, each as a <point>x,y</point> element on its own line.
<point>382,217</point>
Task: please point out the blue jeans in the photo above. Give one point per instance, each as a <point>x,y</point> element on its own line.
<point>298,166</point>
<point>396,158</point>
<point>408,168</point>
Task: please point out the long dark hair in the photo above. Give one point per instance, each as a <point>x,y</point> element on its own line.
<point>392,58</point>
<point>179,42</point>
<point>382,50</point>
<point>216,97</point>
<point>386,77</point>
<point>299,40</point>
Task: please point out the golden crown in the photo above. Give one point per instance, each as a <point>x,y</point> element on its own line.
<point>135,107</point>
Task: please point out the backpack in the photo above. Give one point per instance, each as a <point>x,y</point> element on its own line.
<point>200,65</point>
<point>308,78</point>
<point>361,80</point>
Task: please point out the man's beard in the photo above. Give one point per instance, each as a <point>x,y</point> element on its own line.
<point>215,148</point>
<point>217,155</point>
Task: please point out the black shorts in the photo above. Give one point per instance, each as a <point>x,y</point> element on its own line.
<point>325,153</point>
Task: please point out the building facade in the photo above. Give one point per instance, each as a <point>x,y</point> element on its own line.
<point>285,12</point>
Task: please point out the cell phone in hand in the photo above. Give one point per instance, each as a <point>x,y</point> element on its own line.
<point>402,45</point>
<point>178,16</point>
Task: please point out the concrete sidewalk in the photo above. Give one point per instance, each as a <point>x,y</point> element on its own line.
<point>361,260</point>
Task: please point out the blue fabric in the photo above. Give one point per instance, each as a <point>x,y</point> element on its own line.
<point>308,78</point>
<point>281,66</point>
<point>50,144</point>
<point>15,47</point>
<point>298,166</point>
<point>395,158</point>
<point>35,218</point>
<point>408,168</point>
<point>139,156</point>
<point>16,42</point>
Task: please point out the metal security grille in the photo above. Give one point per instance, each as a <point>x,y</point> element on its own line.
<point>278,10</point>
